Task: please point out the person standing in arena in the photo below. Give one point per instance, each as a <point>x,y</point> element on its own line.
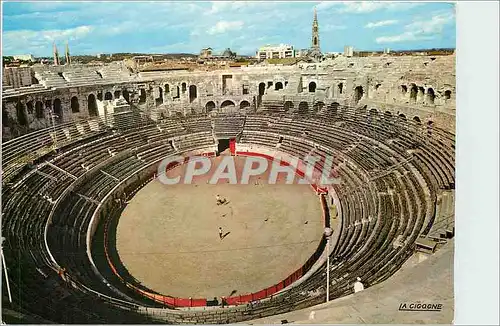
<point>220,232</point>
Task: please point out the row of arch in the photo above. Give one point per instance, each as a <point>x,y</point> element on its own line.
<point>210,105</point>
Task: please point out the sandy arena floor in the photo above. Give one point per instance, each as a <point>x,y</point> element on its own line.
<point>168,238</point>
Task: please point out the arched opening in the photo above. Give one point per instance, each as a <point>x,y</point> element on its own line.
<point>430,96</point>
<point>377,86</point>
<point>167,89</point>
<point>210,106</point>
<point>413,93</point>
<point>288,106</point>
<point>312,87</point>
<point>404,90</point>
<point>126,95</point>
<point>447,95</point>
<point>159,99</point>
<point>340,88</point>
<point>402,117</point>
<point>227,104</point>
<point>358,93</point>
<point>29,107</point>
<point>262,88</point>
<point>315,40</point>
<point>193,93</point>
<point>39,112</point>
<point>387,116</point>
<point>303,108</point>
<point>278,86</point>
<point>373,113</point>
<point>108,96</point>
<point>184,87</point>
<point>75,106</point>
<point>244,105</point>
<point>92,106</point>
<point>318,106</point>
<point>57,109</point>
<point>142,96</point>
<point>21,114</point>
<point>177,93</point>
<point>117,94</point>
<point>333,108</point>
<point>417,119</point>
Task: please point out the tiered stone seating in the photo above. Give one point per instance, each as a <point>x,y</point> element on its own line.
<point>228,126</point>
<point>389,179</point>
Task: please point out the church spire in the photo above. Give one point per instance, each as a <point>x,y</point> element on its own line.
<point>68,58</point>
<point>56,55</point>
<point>315,32</point>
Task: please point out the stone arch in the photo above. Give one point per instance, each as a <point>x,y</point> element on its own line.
<point>413,93</point>
<point>159,99</point>
<point>167,89</point>
<point>142,96</point>
<point>404,90</point>
<point>126,95</point>
<point>57,109</point>
<point>108,96</point>
<point>288,106</point>
<point>417,119</point>
<point>358,93</point>
<point>193,93</point>
<point>92,106</point>
<point>227,103</point>
<point>430,96</point>
<point>29,107</point>
<point>75,105</point>
<point>244,105</point>
<point>387,115</point>
<point>21,114</point>
<point>447,94</point>
<point>333,108</point>
<point>209,106</point>
<point>117,94</point>
<point>402,117</point>
<point>373,112</point>
<point>184,87</point>
<point>340,88</point>
<point>312,87</point>
<point>39,111</point>
<point>318,106</point>
<point>303,108</point>
<point>262,89</point>
<point>278,86</point>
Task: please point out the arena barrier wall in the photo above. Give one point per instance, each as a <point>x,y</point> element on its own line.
<point>174,302</point>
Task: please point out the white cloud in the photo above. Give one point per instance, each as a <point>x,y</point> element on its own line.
<point>329,27</point>
<point>366,7</point>
<point>225,26</point>
<point>420,29</point>
<point>381,23</point>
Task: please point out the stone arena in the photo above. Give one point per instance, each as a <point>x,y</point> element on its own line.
<point>91,236</point>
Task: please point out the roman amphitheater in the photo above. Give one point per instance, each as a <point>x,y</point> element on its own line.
<point>92,236</point>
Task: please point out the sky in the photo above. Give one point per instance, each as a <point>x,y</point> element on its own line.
<point>244,26</point>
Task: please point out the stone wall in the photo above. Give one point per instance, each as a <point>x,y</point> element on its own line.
<point>422,87</point>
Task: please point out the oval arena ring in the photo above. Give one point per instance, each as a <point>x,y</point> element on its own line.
<point>93,236</point>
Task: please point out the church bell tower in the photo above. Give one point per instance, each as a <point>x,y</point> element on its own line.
<point>315,33</point>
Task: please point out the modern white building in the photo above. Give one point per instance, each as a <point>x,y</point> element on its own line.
<point>24,57</point>
<point>275,52</point>
<point>348,51</point>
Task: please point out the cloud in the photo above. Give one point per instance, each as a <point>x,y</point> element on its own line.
<point>381,23</point>
<point>330,27</point>
<point>367,7</point>
<point>225,26</point>
<point>420,29</point>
